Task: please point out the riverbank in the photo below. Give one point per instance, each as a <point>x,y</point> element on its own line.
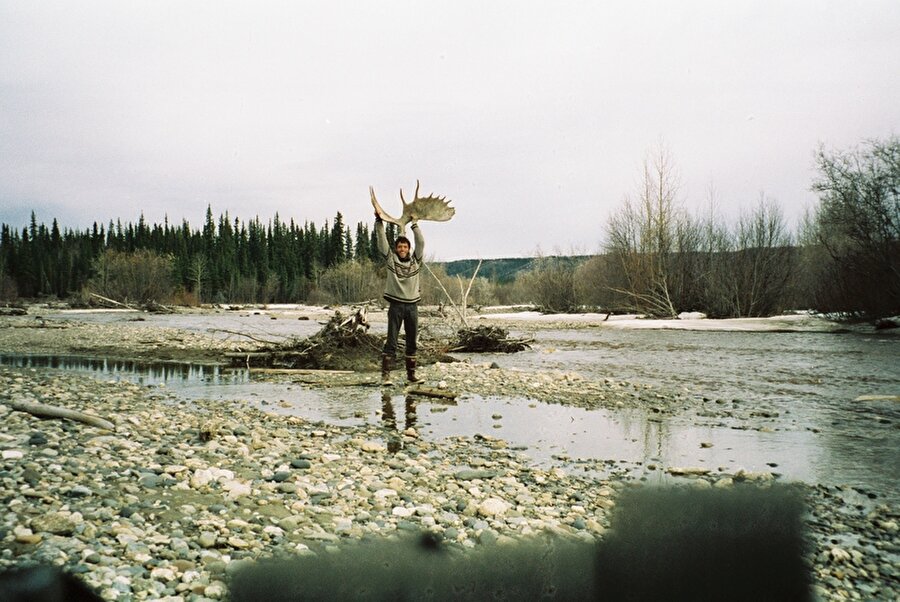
<point>184,492</point>
<point>152,509</point>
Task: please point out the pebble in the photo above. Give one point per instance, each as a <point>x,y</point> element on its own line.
<point>493,507</point>
<point>152,512</point>
<point>208,504</point>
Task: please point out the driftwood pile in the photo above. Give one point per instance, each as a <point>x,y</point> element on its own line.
<point>487,339</point>
<point>343,343</point>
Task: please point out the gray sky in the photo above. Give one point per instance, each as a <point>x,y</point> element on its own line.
<point>533,117</point>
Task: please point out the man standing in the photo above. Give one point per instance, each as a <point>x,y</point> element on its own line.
<point>401,291</point>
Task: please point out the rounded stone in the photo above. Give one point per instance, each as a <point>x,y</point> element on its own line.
<point>493,507</point>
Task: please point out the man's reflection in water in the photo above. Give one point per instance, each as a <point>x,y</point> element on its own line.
<point>394,439</point>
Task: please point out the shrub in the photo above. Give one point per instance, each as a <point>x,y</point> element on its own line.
<point>141,276</point>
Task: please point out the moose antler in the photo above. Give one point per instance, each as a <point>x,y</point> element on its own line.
<point>434,208</point>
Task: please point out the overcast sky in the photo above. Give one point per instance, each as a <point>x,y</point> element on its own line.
<point>533,117</point>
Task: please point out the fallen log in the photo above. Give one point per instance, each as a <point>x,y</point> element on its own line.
<point>113,302</point>
<point>43,410</point>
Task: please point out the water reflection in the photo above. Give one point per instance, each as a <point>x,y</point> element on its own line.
<point>389,418</point>
<point>148,373</point>
<point>807,382</point>
<point>627,436</point>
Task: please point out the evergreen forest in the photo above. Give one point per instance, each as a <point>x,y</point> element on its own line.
<point>657,258</point>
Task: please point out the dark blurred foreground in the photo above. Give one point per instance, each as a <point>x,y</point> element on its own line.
<point>43,584</point>
<point>741,544</point>
<point>664,544</point>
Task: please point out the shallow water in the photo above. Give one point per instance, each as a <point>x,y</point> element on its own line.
<point>809,381</point>
<point>805,384</point>
<point>628,439</point>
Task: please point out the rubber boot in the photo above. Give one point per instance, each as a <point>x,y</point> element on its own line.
<point>411,369</point>
<point>386,366</point>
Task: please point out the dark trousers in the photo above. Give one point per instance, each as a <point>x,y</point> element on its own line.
<point>406,314</point>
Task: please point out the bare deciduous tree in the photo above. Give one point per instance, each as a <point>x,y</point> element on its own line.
<point>351,282</point>
<point>550,284</point>
<point>643,236</point>
<point>142,276</point>
<point>461,308</point>
<point>762,266</point>
<point>857,223</point>
<point>197,270</point>
<point>594,286</point>
<point>667,262</point>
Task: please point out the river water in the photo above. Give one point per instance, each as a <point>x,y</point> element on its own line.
<point>794,396</point>
<point>803,384</point>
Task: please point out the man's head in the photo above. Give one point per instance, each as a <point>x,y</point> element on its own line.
<point>401,247</point>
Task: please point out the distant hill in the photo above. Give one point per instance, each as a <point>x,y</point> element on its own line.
<point>501,270</point>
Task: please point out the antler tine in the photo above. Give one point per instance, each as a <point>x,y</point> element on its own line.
<point>432,207</point>
<point>385,216</point>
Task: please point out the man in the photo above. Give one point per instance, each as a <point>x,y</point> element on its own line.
<point>401,291</point>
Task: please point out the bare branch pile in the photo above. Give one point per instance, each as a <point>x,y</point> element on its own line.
<point>342,343</point>
<point>488,339</point>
